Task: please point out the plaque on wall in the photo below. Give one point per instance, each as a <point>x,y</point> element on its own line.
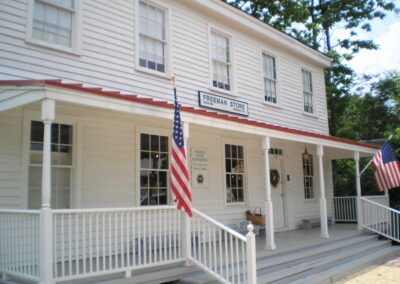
<point>199,167</point>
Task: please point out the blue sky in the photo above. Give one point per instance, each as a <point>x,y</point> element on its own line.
<point>386,33</point>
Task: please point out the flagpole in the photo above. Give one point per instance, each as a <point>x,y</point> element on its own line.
<point>370,161</point>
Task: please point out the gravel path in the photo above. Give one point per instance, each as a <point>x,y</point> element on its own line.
<point>387,273</point>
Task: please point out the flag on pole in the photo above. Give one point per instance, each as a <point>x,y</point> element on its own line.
<point>179,173</point>
<point>387,168</point>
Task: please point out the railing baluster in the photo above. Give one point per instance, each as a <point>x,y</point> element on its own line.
<point>84,242</point>
<point>122,239</point>
<point>70,243</point>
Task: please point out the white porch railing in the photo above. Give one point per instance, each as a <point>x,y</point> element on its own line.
<point>94,242</point>
<point>223,252</point>
<point>381,219</point>
<point>19,243</point>
<point>345,208</point>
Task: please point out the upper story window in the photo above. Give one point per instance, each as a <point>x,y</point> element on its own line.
<point>221,61</point>
<point>307,91</point>
<point>270,79</point>
<point>152,38</point>
<point>53,21</point>
<point>308,175</point>
<point>234,173</point>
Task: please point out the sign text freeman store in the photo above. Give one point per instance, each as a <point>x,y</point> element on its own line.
<point>222,103</point>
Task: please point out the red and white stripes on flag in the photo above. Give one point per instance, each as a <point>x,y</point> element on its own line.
<point>180,185</point>
<point>387,168</point>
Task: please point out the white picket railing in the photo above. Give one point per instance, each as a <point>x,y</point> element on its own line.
<point>19,243</point>
<point>221,251</point>
<point>381,219</point>
<point>92,242</point>
<point>345,208</point>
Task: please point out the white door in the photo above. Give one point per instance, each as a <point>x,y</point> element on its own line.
<point>277,191</point>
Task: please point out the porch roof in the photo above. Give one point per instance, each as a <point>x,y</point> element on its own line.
<point>7,104</point>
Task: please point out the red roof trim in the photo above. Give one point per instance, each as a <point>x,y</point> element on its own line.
<point>164,104</point>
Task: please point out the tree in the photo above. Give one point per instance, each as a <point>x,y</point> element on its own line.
<point>314,22</point>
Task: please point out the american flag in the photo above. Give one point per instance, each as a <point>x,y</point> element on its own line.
<point>387,168</point>
<point>179,173</point>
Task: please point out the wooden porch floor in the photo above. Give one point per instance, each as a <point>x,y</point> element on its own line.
<point>298,239</point>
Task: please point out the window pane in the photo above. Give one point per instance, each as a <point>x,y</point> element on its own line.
<point>162,179</point>
<point>145,160</point>
<point>54,133</point>
<point>228,165</point>
<point>163,199</point>
<point>164,161</point>
<point>37,130</point>
<point>144,196</point>
<point>144,178</point>
<point>164,144</point>
<point>153,179</point>
<point>155,160</point>
<point>65,134</point>
<point>65,155</point>
<point>227,150</point>
<point>144,142</point>
<point>154,143</point>
<point>35,188</point>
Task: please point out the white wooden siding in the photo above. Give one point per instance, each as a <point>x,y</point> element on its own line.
<point>107,165</point>
<point>108,60</point>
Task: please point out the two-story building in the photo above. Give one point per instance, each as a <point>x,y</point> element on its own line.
<point>86,108</point>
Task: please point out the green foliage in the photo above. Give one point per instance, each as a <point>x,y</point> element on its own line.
<point>313,22</point>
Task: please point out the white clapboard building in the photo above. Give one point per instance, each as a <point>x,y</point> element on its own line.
<point>86,108</point>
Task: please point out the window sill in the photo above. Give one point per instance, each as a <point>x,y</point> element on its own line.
<point>235,204</point>
<point>277,105</point>
<point>52,46</point>
<point>310,200</point>
<point>222,91</point>
<point>312,115</point>
<point>166,75</point>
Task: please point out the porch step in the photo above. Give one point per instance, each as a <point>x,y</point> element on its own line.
<point>305,263</point>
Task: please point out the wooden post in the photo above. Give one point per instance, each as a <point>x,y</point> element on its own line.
<point>48,110</point>
<point>358,187</point>
<point>322,201</point>
<point>251,255</point>
<point>269,212</point>
<point>46,214</point>
<point>185,219</point>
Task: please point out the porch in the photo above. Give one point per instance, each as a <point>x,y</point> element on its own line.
<point>100,164</point>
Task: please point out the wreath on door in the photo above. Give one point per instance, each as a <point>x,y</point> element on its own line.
<point>274,177</point>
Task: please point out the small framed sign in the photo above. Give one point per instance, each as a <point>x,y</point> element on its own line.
<point>222,103</point>
<point>199,167</point>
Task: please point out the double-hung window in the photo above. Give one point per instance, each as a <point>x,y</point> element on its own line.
<point>152,38</point>
<point>221,61</point>
<point>61,165</point>
<point>54,21</point>
<point>234,173</point>
<point>307,91</point>
<point>308,175</point>
<point>270,79</point>
<point>154,169</point>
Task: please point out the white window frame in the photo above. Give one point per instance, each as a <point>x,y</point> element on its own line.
<point>75,193</point>
<point>310,176</point>
<point>168,60</point>
<point>232,91</point>
<point>313,114</point>
<point>75,48</point>
<point>237,142</point>
<point>140,129</point>
<point>278,103</point>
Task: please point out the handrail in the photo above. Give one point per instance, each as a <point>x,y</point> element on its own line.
<point>220,225</point>
<point>222,252</point>
<point>381,219</point>
<point>381,205</point>
<point>118,209</point>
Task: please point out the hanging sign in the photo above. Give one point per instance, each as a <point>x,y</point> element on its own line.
<point>199,167</point>
<point>221,103</point>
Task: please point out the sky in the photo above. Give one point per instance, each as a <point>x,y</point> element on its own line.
<point>385,33</point>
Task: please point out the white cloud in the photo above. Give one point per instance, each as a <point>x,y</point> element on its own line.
<point>387,57</point>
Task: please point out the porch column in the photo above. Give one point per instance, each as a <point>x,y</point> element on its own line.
<point>269,213</point>
<point>322,201</point>
<point>185,219</point>
<point>358,187</point>
<point>46,215</point>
